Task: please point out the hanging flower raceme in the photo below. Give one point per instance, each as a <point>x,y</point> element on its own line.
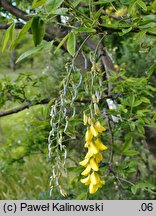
<point>93,156</point>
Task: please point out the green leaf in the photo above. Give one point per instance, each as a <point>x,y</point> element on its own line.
<point>141,129</point>
<point>142,4</point>
<point>61,11</point>
<point>116,25</point>
<point>75,3</point>
<point>132,126</point>
<point>98,13</point>
<point>132,7</point>
<point>62,42</point>
<point>71,43</point>
<point>139,36</point>
<point>103,2</point>
<point>152,30</point>
<point>43,45</point>
<point>52,5</point>
<point>143,186</point>
<point>128,142</point>
<point>8,36</point>
<point>21,35</point>
<point>38,29</point>
<point>125,31</point>
<point>82,196</point>
<point>38,3</point>
<point>132,100</point>
<point>145,100</point>
<point>151,69</point>
<point>137,103</point>
<point>153,6</point>
<point>130,152</point>
<point>84,29</point>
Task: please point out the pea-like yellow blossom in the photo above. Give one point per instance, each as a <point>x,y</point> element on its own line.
<point>84,162</point>
<point>93,188</point>
<point>100,145</point>
<point>99,128</point>
<point>93,148</point>
<point>95,179</point>
<point>86,180</point>
<point>89,135</point>
<point>98,157</point>
<point>89,154</point>
<point>87,170</point>
<point>94,164</point>
<point>93,130</point>
<point>93,156</point>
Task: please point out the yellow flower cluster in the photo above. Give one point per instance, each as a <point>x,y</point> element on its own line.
<point>93,156</point>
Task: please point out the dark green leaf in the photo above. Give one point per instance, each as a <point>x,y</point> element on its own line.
<point>38,29</point>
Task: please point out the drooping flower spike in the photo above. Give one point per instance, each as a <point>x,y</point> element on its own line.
<point>93,156</point>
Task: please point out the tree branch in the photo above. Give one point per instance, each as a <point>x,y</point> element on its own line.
<point>28,104</point>
<point>6,26</point>
<point>14,10</point>
<point>24,106</point>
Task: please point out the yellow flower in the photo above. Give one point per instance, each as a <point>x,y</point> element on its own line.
<point>94,178</point>
<point>84,162</point>
<point>86,180</point>
<point>95,183</point>
<point>89,154</point>
<point>93,188</point>
<point>86,145</point>
<point>86,171</point>
<point>93,148</point>
<point>93,156</point>
<point>121,11</point>
<point>93,130</point>
<point>100,145</point>
<point>98,127</point>
<point>98,157</point>
<point>94,165</point>
<point>88,135</point>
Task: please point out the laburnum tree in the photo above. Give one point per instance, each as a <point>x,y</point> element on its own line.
<point>104,112</point>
